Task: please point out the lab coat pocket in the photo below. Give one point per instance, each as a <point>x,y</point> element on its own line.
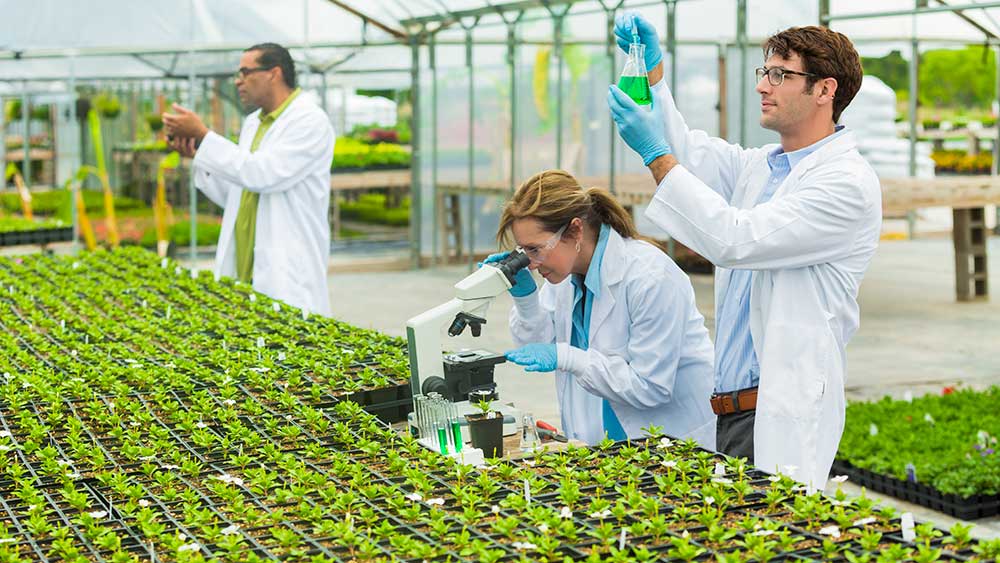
<point>794,370</point>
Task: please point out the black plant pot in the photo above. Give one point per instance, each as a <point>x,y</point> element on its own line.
<point>486,433</point>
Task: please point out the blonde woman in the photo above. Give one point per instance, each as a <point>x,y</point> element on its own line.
<point>615,319</point>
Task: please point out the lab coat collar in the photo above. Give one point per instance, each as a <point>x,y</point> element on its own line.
<point>612,272</point>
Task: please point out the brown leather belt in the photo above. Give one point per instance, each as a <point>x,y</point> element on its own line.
<point>735,402</point>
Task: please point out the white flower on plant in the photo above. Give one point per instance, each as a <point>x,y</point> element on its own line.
<point>669,464</point>
<point>602,514</point>
<point>709,500</point>
<point>169,466</point>
<point>229,479</point>
<point>62,462</point>
<point>231,529</point>
<point>839,479</point>
<point>74,476</point>
<point>495,509</point>
<point>832,531</point>
<point>523,545</point>
<point>865,521</point>
<point>194,546</point>
<point>143,503</point>
<point>722,481</point>
<point>98,514</point>
<point>664,443</point>
<point>543,527</point>
<point>435,501</point>
<point>529,462</point>
<point>686,534</point>
<point>835,502</point>
<point>147,458</point>
<point>229,402</point>
<point>565,512</point>
<point>415,497</point>
<point>763,533</point>
<point>928,418</point>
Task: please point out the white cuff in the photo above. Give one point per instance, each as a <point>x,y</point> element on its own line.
<point>528,306</point>
<point>570,358</point>
<point>207,142</point>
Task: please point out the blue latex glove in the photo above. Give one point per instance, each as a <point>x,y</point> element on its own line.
<point>524,284</point>
<point>534,357</point>
<point>642,130</point>
<point>647,36</point>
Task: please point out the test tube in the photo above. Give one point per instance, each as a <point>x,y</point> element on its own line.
<point>442,426</point>
<point>456,428</point>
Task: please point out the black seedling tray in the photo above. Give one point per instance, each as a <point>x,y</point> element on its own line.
<point>965,508</point>
<point>37,236</point>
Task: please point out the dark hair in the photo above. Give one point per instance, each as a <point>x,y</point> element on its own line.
<point>825,53</point>
<point>555,197</point>
<point>274,55</point>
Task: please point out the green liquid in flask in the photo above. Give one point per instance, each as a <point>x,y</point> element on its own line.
<point>637,88</point>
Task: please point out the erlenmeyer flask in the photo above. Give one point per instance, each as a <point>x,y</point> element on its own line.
<point>633,80</point>
<point>529,434</point>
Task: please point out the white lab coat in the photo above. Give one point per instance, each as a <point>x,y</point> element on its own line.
<point>649,353</point>
<point>291,171</point>
<point>809,247</point>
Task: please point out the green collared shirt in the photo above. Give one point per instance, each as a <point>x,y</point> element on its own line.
<point>246,218</point>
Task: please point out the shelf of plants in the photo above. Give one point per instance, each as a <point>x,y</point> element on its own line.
<point>146,415</point>
<point>16,231</point>
<point>938,451</point>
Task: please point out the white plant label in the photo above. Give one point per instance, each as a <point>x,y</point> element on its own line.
<point>908,396</point>
<point>873,429</point>
<point>163,263</point>
<point>621,539</point>
<point>260,341</point>
<point>720,469</point>
<point>253,298</point>
<point>527,492</point>
<point>276,307</point>
<point>909,533</point>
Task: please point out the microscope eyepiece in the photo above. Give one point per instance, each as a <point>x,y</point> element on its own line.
<point>512,264</point>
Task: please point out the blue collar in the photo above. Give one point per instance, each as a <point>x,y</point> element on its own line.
<point>593,279</point>
<point>792,158</point>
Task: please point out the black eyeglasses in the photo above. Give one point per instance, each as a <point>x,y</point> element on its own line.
<point>244,72</point>
<point>776,75</point>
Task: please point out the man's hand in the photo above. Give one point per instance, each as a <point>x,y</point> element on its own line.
<point>645,31</point>
<point>183,145</point>
<point>184,123</point>
<point>641,130</point>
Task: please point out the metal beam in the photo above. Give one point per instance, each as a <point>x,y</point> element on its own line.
<point>416,209</point>
<point>970,21</point>
<point>913,12</point>
<point>741,44</point>
<point>402,36</point>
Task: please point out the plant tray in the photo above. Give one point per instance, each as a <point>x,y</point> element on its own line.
<point>37,236</point>
<point>389,404</point>
<point>965,508</point>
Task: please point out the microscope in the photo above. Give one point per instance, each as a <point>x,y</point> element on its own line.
<point>456,375</point>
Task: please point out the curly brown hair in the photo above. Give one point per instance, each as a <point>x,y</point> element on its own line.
<point>825,53</point>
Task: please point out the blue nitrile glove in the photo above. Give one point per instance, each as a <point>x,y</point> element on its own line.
<point>524,284</point>
<point>641,129</point>
<point>647,36</point>
<point>534,357</point>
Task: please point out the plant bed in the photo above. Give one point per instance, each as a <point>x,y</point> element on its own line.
<point>146,410</point>
<point>937,451</point>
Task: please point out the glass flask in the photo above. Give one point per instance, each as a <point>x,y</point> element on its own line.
<point>633,80</point>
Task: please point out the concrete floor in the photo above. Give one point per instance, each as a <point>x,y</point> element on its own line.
<point>914,335</point>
